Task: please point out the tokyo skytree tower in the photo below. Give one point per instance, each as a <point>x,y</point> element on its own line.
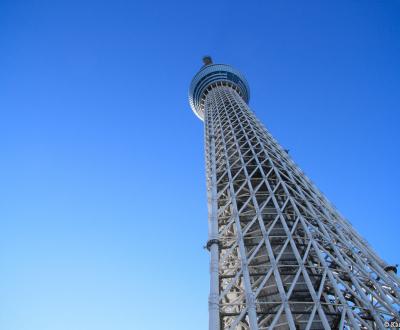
<point>282,257</point>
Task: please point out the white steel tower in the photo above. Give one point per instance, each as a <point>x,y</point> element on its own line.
<point>282,257</point>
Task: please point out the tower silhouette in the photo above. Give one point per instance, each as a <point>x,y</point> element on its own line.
<point>282,257</point>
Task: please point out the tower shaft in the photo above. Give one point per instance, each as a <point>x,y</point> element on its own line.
<point>281,256</point>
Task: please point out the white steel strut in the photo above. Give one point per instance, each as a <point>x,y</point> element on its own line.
<point>282,257</point>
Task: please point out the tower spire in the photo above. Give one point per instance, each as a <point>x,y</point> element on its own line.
<point>207,60</point>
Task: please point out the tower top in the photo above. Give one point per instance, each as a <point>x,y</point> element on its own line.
<point>207,60</point>
<point>212,75</point>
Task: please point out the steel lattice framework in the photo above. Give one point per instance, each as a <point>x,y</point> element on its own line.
<point>282,257</point>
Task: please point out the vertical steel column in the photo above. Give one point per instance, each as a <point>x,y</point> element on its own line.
<point>213,243</point>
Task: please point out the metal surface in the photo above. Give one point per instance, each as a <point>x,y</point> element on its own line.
<point>282,257</point>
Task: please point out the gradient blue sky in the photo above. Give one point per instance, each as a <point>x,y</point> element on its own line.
<point>102,185</point>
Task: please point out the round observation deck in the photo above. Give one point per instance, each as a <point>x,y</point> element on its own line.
<point>211,75</point>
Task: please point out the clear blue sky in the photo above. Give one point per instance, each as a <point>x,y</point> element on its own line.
<point>102,185</point>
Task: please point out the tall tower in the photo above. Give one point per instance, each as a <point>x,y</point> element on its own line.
<point>282,257</point>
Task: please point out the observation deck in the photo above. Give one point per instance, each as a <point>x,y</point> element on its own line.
<point>211,75</point>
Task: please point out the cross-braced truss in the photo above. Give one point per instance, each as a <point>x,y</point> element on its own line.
<point>283,256</point>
